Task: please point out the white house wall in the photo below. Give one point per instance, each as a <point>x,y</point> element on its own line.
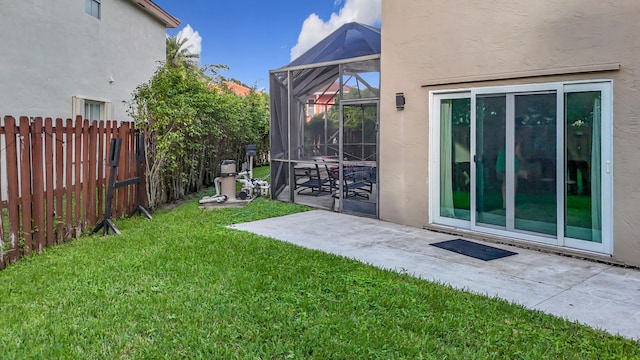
<point>52,51</point>
<point>439,43</point>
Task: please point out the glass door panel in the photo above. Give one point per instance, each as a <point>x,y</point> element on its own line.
<point>455,158</point>
<point>583,205</point>
<point>534,163</point>
<point>357,185</point>
<point>490,164</point>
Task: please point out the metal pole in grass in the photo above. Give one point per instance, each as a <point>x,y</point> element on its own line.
<point>113,161</point>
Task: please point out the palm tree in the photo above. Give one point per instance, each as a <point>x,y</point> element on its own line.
<point>178,55</point>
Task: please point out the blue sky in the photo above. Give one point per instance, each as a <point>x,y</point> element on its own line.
<point>255,36</point>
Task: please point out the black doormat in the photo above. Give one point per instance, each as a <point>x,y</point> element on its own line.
<point>475,250</point>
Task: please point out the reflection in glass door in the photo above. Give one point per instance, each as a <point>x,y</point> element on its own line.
<point>583,205</point>
<point>490,160</point>
<point>455,145</point>
<point>516,161</point>
<point>534,163</point>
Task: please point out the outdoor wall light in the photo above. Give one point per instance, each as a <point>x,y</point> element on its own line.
<point>399,101</point>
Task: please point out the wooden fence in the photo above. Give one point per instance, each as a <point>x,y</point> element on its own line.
<point>53,180</point>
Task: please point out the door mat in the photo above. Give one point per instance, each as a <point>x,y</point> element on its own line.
<point>475,250</point>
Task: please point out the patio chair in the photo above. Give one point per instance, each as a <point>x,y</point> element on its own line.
<point>356,183</point>
<point>309,181</point>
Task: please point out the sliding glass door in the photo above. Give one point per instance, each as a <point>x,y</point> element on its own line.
<point>587,166</point>
<point>490,180</point>
<point>455,151</point>
<point>531,162</point>
<point>516,162</point>
<point>534,157</point>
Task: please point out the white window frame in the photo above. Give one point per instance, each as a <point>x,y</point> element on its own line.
<point>603,85</point>
<point>78,108</point>
<point>93,8</point>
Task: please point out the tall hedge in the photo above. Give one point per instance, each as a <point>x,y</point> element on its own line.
<point>191,123</point>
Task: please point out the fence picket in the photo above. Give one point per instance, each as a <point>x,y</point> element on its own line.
<point>101,136</point>
<point>13,206</point>
<point>77,190</point>
<point>122,172</point>
<point>91,182</point>
<point>3,253</point>
<point>85,173</point>
<point>49,178</point>
<point>25,184</point>
<point>37,190</point>
<point>59,191</point>
<point>68,193</point>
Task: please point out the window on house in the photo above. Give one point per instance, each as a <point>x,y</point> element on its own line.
<point>311,107</point>
<point>93,110</point>
<point>92,7</point>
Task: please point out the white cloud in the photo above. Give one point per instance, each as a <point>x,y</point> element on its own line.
<point>315,29</point>
<point>194,40</point>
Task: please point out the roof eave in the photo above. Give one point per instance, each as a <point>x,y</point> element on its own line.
<point>157,12</point>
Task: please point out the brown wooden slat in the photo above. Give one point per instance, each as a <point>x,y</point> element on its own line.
<point>3,239</point>
<point>92,182</point>
<point>107,168</point>
<point>78,173</point>
<point>3,254</point>
<point>25,183</point>
<point>68,194</point>
<point>37,190</point>
<point>49,179</point>
<point>86,163</point>
<point>13,208</point>
<point>59,191</point>
<point>101,163</point>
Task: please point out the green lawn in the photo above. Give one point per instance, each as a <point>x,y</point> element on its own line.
<point>185,286</point>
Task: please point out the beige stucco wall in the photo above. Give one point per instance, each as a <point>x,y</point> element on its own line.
<point>427,41</point>
<point>52,51</point>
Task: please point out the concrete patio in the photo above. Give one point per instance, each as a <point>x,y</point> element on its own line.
<point>599,295</point>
